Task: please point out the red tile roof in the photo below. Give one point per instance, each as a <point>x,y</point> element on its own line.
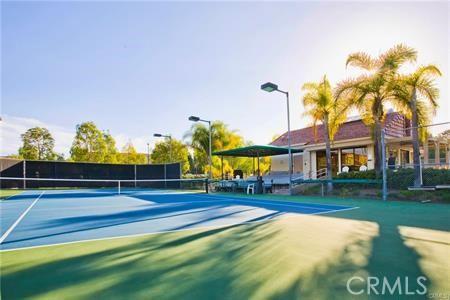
<point>394,124</point>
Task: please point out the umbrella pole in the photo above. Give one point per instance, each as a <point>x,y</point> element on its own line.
<point>259,171</point>
<point>254,170</point>
<point>222,165</point>
<point>259,179</point>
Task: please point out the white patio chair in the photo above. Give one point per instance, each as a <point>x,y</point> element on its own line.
<point>251,187</point>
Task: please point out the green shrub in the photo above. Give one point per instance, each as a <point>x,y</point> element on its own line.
<point>438,195</point>
<point>370,174</point>
<point>402,178</point>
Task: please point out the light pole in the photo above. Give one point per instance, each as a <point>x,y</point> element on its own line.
<point>197,119</point>
<point>148,153</point>
<point>168,136</point>
<point>271,87</point>
<point>383,161</point>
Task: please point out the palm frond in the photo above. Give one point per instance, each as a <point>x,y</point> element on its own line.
<point>428,70</point>
<point>392,59</point>
<point>309,86</point>
<point>429,91</point>
<point>360,60</point>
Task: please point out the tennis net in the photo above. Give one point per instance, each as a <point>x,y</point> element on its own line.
<point>105,185</point>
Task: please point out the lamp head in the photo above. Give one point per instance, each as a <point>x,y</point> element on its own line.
<point>157,135</point>
<point>269,87</point>
<point>194,119</point>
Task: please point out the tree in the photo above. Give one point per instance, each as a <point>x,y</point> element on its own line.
<point>171,151</point>
<point>111,155</point>
<point>198,138</point>
<point>222,139</point>
<point>370,92</point>
<point>38,144</point>
<point>89,144</point>
<point>418,96</point>
<point>129,155</point>
<point>321,106</point>
<point>221,136</point>
<point>445,134</point>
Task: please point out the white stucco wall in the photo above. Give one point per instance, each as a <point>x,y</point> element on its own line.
<point>370,157</point>
<point>279,163</point>
<point>306,162</point>
<point>298,163</point>
<point>313,163</point>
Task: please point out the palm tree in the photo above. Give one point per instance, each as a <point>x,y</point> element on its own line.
<point>222,138</point>
<point>371,91</point>
<point>418,95</point>
<point>321,106</point>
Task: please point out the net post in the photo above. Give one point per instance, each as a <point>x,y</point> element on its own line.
<point>206,186</point>
<point>118,187</point>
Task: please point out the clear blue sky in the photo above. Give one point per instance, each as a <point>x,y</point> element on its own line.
<point>143,67</point>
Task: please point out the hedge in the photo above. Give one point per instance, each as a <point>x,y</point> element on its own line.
<point>403,178</point>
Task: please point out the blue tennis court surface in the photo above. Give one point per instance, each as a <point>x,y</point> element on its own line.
<point>36,218</point>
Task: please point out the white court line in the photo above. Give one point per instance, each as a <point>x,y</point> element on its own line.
<point>131,207</point>
<point>334,210</point>
<point>273,202</point>
<point>138,235</point>
<point>178,230</point>
<point>10,229</point>
<point>290,215</point>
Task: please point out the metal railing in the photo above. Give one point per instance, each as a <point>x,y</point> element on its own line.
<point>441,165</point>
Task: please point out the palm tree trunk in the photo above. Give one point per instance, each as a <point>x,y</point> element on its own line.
<point>377,147</point>
<point>415,140</point>
<point>328,152</point>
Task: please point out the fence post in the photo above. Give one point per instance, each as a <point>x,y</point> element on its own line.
<point>165,175</point>
<point>24,174</point>
<point>383,164</point>
<point>135,174</point>
<point>421,171</point>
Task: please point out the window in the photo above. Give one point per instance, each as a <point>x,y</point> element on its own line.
<point>442,153</point>
<point>348,157</point>
<point>360,156</point>
<point>404,157</point>
<point>431,152</point>
<point>354,158</point>
<point>321,160</point>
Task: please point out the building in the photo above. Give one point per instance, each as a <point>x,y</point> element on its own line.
<point>353,148</point>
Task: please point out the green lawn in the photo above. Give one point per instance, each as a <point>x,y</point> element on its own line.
<point>8,193</point>
<point>296,256</point>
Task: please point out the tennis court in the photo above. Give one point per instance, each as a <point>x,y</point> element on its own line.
<point>174,240</point>
<point>53,216</point>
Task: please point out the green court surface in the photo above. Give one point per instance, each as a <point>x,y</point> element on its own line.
<point>4,194</point>
<point>290,257</point>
